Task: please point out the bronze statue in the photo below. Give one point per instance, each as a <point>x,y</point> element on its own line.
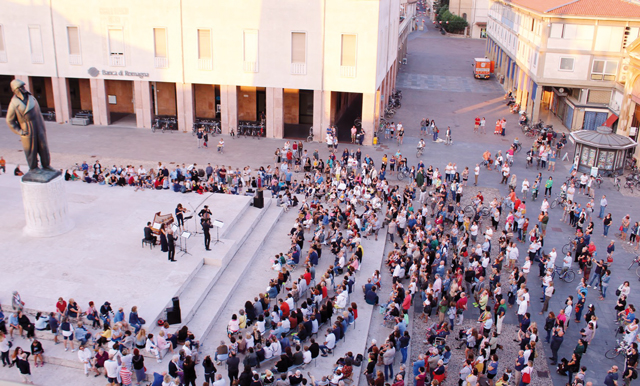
<point>25,119</point>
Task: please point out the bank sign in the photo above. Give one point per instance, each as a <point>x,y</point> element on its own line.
<point>123,73</point>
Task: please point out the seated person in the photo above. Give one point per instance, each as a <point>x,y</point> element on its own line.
<point>17,171</point>
<point>148,234</point>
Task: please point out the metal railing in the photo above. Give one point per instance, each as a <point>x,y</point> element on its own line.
<point>116,60</point>
<point>161,62</point>
<point>75,60</point>
<point>205,64</point>
<point>299,68</point>
<point>348,71</point>
<point>250,66</point>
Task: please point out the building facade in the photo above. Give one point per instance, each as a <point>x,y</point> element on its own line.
<point>302,64</point>
<point>568,58</point>
<point>475,12</point>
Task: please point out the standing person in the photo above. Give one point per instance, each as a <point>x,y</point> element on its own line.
<point>624,227</point>
<point>547,187</point>
<point>199,136</point>
<point>206,228</point>
<point>171,245</point>
<point>606,222</point>
<point>476,173</point>
<point>21,360</point>
<point>476,125</point>
<point>483,122</point>
<point>556,342</point>
<point>603,206</point>
<point>233,363</point>
<point>611,379</point>
<point>138,366</point>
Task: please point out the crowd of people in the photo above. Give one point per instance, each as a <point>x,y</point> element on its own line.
<point>441,254</point>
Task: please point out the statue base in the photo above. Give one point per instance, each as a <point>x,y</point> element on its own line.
<point>45,208</point>
<point>41,175</point>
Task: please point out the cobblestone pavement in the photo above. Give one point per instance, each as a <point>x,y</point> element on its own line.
<point>466,84</point>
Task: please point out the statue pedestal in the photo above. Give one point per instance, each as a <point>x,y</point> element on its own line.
<point>45,208</point>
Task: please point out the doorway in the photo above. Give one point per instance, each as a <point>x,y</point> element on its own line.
<point>120,103</point>
<point>298,113</point>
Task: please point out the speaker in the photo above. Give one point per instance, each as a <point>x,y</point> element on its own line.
<point>260,194</point>
<point>173,313</point>
<point>258,202</point>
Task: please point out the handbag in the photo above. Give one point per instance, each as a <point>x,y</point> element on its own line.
<point>618,292</point>
<point>526,378</point>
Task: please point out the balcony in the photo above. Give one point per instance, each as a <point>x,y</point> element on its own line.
<point>205,64</point>
<point>75,60</point>
<point>161,62</point>
<point>299,68</point>
<point>116,60</point>
<point>348,71</point>
<point>37,58</point>
<point>3,56</point>
<point>250,66</point>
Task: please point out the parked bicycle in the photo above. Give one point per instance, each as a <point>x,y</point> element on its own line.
<point>403,173</point>
<point>419,151</point>
<point>636,260</point>
<point>559,200</point>
<point>49,115</point>
<point>567,277</point>
<point>616,181</point>
<point>569,247</point>
<point>470,211</point>
<point>310,136</point>
<point>614,352</point>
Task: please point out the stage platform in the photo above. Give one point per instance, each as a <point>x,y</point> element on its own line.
<point>102,258</point>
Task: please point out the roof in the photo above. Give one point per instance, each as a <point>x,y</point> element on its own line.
<point>597,8</point>
<point>603,138</point>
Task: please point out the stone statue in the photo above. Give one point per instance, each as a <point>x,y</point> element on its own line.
<point>25,119</point>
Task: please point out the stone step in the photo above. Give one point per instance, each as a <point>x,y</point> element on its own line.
<point>217,298</point>
<point>195,289</point>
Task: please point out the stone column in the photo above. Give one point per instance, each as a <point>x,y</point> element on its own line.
<point>537,102</point>
<point>99,102</point>
<point>184,100</point>
<point>45,208</point>
<point>229,108</point>
<point>368,116</point>
<point>142,98</point>
<point>317,115</point>
<point>61,99</point>
<point>275,112</point>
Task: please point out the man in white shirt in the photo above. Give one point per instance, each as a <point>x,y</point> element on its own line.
<point>525,188</point>
<point>85,355</point>
<point>111,368</point>
<point>219,380</point>
<point>329,343</point>
<point>476,173</point>
<point>307,355</point>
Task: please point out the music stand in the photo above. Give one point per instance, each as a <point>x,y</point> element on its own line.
<point>217,224</point>
<point>185,235</point>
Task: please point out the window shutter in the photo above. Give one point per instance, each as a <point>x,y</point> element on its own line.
<point>160,40</point>
<point>298,47</point>
<point>35,39</point>
<point>348,51</point>
<point>204,44</point>
<point>116,42</point>
<point>74,40</point>
<point>1,39</point>
<point>251,46</point>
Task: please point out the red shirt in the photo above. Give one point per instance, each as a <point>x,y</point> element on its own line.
<point>284,307</point>
<point>307,277</point>
<point>126,375</point>
<point>61,306</point>
<point>477,124</point>
<point>324,292</point>
<point>406,303</point>
<point>462,303</point>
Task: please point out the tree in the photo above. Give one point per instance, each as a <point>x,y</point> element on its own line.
<point>451,23</point>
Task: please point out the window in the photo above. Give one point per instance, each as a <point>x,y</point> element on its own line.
<point>348,56</point>
<point>73,41</point>
<point>35,43</point>
<point>116,47</point>
<point>250,50</point>
<point>298,53</point>
<point>204,50</point>
<point>604,70</point>
<point>3,52</point>
<point>566,64</point>
<point>160,47</point>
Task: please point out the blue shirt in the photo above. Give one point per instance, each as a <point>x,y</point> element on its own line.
<point>416,367</point>
<point>119,317</point>
<point>13,320</point>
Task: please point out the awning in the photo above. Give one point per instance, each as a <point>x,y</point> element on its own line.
<point>611,120</point>
<point>481,23</point>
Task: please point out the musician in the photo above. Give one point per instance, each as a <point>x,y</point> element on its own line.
<point>206,227</point>
<point>204,211</point>
<point>148,234</point>
<point>180,211</point>
<point>171,245</point>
